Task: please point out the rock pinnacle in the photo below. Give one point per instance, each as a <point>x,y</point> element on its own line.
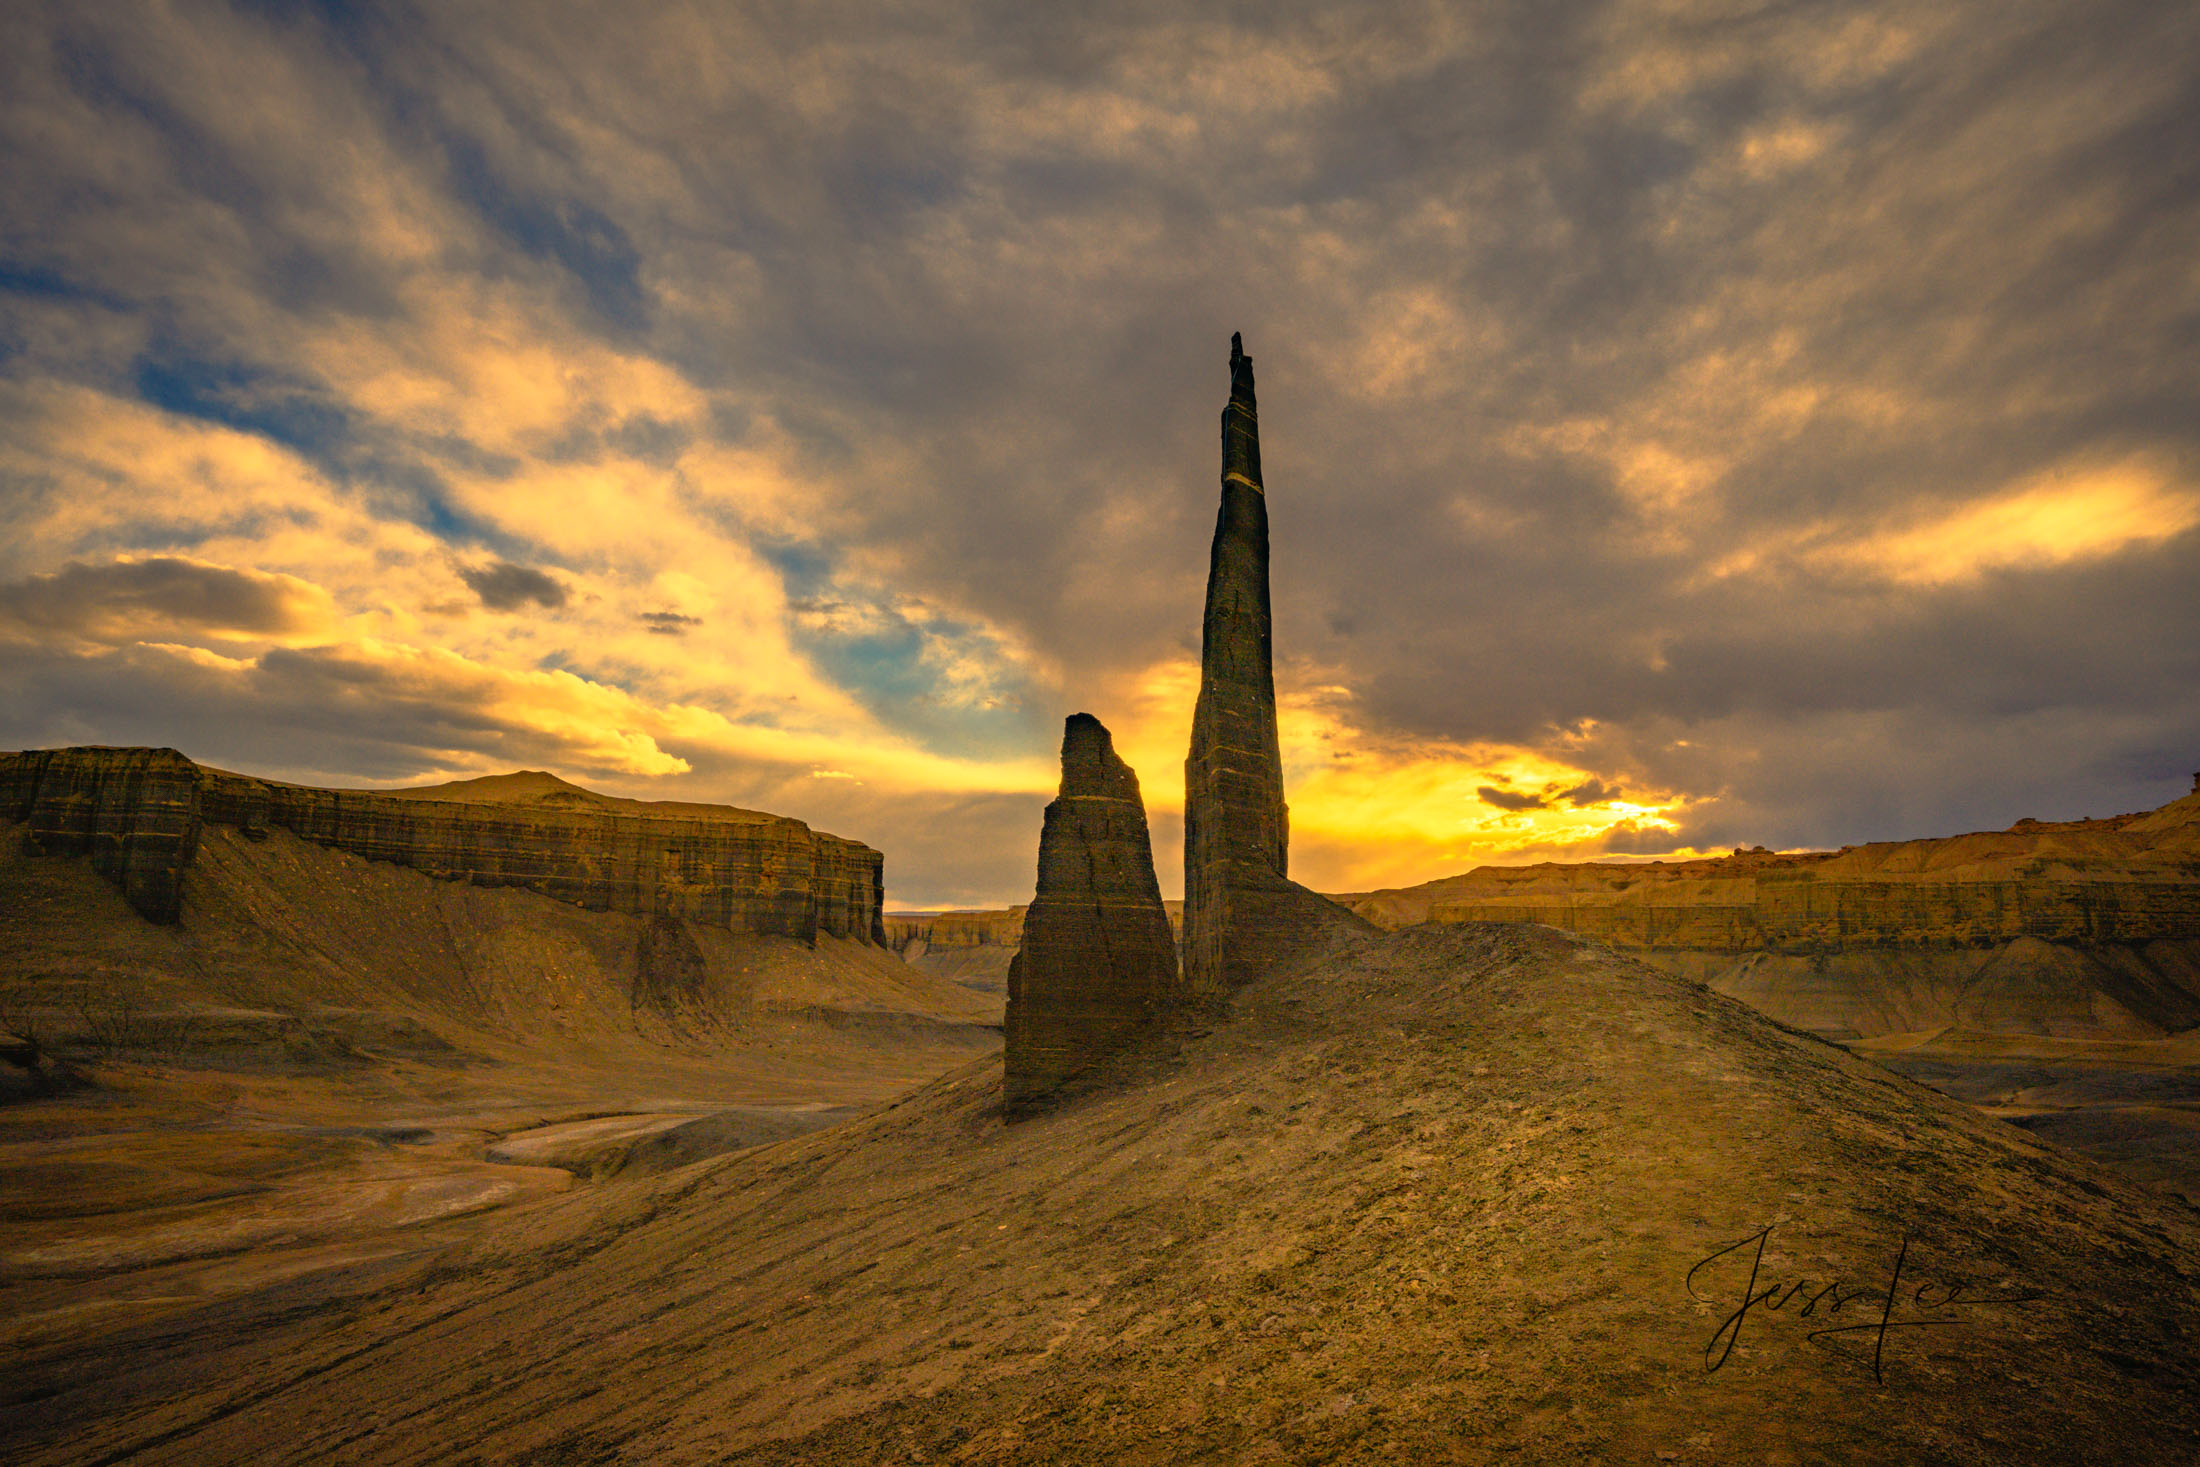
<point>1241,914</point>
<point>1097,961</point>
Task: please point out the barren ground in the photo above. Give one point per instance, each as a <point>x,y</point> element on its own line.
<point>332,1064</point>
<point>1436,1198</point>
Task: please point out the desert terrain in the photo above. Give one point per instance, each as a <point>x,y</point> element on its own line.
<point>330,1061</point>
<point>1456,1193</point>
<point>2048,973</point>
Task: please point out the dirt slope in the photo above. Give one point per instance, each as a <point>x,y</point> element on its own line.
<point>331,1061</point>
<point>283,924</point>
<point>1435,1198</point>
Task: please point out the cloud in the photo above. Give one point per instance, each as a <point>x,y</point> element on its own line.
<point>2059,517</point>
<point>161,597</point>
<point>2064,515</point>
<point>503,586</point>
<point>1590,792</point>
<point>1510,799</point>
<point>1761,417</point>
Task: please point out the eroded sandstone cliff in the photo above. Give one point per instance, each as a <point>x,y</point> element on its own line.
<point>135,812</point>
<point>138,812</point>
<point>913,933</point>
<point>2073,928</point>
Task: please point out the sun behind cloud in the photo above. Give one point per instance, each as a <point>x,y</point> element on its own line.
<point>1371,809</point>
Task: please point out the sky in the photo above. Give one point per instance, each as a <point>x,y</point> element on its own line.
<point>1686,425</point>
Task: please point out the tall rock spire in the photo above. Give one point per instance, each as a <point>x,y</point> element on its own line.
<point>1235,761</point>
<point>1097,961</point>
<point>1241,914</point>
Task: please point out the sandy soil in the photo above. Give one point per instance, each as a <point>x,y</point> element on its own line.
<point>331,1064</point>
<point>2132,1105</point>
<point>1448,1195</point>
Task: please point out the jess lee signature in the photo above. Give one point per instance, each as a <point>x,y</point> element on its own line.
<point>1936,1300</point>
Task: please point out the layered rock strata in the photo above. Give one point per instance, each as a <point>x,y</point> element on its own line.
<point>1242,913</point>
<point>908,932</point>
<point>2070,928</point>
<point>919,933</point>
<point>1097,962</point>
<point>2130,878</point>
<point>138,812</point>
<point>135,812</point>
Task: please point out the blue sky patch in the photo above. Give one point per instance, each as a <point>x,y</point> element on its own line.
<point>587,242</point>
<point>249,399</point>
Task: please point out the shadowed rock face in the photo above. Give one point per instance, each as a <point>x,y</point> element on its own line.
<point>139,812</point>
<point>135,812</point>
<point>1241,913</point>
<point>1097,961</point>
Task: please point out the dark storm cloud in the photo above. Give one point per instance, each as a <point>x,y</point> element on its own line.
<point>324,714</point>
<point>1590,792</point>
<point>158,596</point>
<point>1607,352</point>
<point>503,586</point>
<point>1510,799</point>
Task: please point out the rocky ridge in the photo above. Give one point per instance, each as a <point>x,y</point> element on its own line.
<point>139,813</point>
<point>2072,928</point>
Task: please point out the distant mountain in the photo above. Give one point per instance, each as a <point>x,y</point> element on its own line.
<point>2070,929</point>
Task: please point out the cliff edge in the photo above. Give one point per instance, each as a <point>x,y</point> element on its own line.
<point>2079,928</point>
<point>139,814</point>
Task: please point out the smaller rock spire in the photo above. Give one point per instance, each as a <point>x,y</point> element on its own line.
<point>1097,962</point>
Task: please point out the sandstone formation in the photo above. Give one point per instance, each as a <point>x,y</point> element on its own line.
<point>1097,963</point>
<point>1242,914</point>
<point>915,933</point>
<point>973,949</point>
<point>139,813</point>
<point>135,812</point>
<point>2073,928</point>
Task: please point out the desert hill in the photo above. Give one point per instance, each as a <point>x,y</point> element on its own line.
<point>2049,972</point>
<point>326,1058</point>
<point>1435,1196</point>
<point>2077,929</point>
<point>539,787</point>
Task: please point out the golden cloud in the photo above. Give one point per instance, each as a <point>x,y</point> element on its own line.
<point>2068,515</point>
<point>2062,516</point>
<point>1369,810</point>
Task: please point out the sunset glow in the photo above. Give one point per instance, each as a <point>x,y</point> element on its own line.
<point>712,407</point>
